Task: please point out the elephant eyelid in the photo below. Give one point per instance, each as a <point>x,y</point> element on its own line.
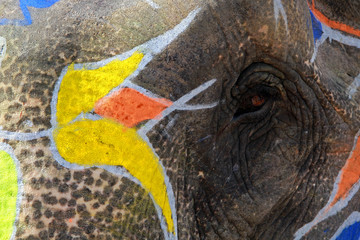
<point>255,102</point>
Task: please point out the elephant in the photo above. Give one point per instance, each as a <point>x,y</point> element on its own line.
<point>193,119</point>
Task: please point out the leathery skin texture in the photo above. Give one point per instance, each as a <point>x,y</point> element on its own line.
<point>189,119</point>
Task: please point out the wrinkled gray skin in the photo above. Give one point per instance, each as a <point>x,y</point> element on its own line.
<point>239,171</point>
<point>256,173</point>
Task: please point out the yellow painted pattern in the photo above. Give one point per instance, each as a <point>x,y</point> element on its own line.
<point>8,195</point>
<point>104,142</point>
<point>80,89</point>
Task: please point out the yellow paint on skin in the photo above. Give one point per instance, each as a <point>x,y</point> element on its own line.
<point>80,89</point>
<point>104,142</point>
<point>8,195</point>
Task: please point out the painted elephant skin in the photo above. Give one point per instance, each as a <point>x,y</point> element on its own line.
<point>249,131</point>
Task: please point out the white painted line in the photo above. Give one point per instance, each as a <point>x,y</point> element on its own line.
<point>157,45</point>
<point>279,9</point>
<point>150,48</point>
<point>177,105</point>
<point>171,197</point>
<point>353,218</point>
<point>329,211</point>
<point>186,107</point>
<point>331,34</point>
<point>24,136</point>
<point>152,4</point>
<point>352,89</point>
<point>2,49</point>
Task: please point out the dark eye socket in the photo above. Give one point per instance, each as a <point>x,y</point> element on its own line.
<point>253,101</point>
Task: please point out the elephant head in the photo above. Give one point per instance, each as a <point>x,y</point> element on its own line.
<point>254,136</point>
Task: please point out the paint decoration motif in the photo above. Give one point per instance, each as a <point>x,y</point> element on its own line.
<point>97,117</point>
<point>90,142</point>
<point>108,107</point>
<point>24,6</point>
<point>348,180</point>
<point>325,28</point>
<point>2,49</point>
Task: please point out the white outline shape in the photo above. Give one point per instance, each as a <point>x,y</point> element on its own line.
<point>9,150</point>
<point>353,218</point>
<point>2,49</point>
<point>24,136</point>
<point>352,89</point>
<point>179,104</point>
<point>279,8</point>
<point>328,211</point>
<point>152,4</point>
<point>331,34</point>
<point>149,49</point>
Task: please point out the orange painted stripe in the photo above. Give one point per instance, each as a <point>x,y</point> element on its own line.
<point>350,174</point>
<point>130,107</point>
<point>331,23</point>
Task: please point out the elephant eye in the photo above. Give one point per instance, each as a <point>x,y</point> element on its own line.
<point>254,103</point>
<point>257,100</point>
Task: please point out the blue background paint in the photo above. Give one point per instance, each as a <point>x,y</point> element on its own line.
<point>24,4</point>
<point>350,233</point>
<point>316,26</point>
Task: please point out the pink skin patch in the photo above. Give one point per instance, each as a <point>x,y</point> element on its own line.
<point>130,107</point>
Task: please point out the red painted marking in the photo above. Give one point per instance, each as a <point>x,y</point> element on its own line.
<point>331,23</point>
<point>20,114</point>
<point>130,107</point>
<point>350,174</point>
<point>70,220</point>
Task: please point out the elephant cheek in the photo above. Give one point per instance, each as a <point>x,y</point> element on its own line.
<point>273,177</point>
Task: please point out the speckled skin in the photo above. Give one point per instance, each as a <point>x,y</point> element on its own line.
<point>59,203</point>
<point>224,40</point>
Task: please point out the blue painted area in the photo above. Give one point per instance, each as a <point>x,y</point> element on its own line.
<point>316,26</point>
<point>350,233</point>
<point>24,4</point>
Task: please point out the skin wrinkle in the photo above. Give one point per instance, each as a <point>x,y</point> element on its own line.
<point>217,203</point>
<point>313,186</point>
<point>260,131</point>
<point>283,209</point>
<point>324,100</point>
<point>205,206</point>
<point>308,121</point>
<point>302,111</point>
<point>280,213</point>
<point>177,160</point>
<point>230,69</point>
<point>241,177</point>
<point>244,163</point>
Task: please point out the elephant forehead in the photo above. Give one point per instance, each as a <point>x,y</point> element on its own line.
<point>277,27</point>
<point>66,32</point>
<point>89,24</point>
